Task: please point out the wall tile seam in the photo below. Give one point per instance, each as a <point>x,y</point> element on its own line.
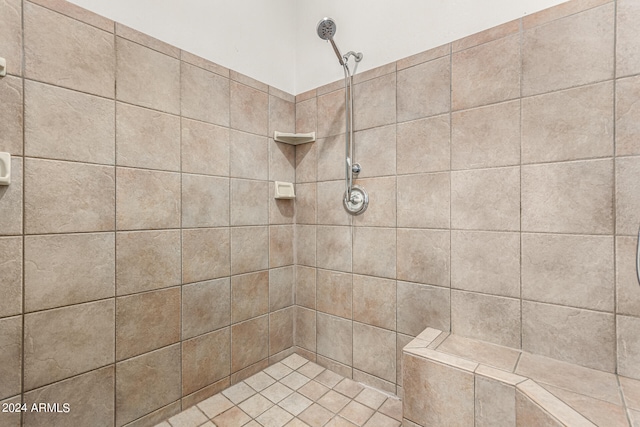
<point>145,45</point>
<point>107,98</point>
<point>525,19</point>
<point>76,18</point>
<point>141,44</point>
<point>490,40</point>
<point>435,58</point>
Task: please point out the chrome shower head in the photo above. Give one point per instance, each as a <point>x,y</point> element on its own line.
<point>326,30</point>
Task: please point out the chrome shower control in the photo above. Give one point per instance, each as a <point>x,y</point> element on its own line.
<point>356,168</point>
<point>358,202</point>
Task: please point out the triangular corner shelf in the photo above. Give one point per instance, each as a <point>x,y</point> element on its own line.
<point>294,138</point>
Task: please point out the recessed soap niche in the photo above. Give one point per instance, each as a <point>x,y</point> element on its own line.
<point>285,190</point>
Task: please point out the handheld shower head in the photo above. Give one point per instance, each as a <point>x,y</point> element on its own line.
<point>326,30</point>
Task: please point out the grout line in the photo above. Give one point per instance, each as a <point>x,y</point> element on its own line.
<point>23,240</point>
<point>613,195</point>
<point>115,228</point>
<point>520,46</point>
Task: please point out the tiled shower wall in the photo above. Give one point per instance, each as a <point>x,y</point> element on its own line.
<point>503,175</point>
<point>145,266</point>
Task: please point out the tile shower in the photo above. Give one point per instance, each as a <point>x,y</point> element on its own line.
<point>502,170</point>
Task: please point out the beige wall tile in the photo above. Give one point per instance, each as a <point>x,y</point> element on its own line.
<point>146,40</point>
<point>568,125</point>
<point>486,73</point>
<point>334,248</point>
<point>11,280</point>
<point>249,155</point>
<point>422,306</point>
<point>11,356</point>
<point>205,148</point>
<point>139,81</point>
<point>281,330</point>
<point>68,269</point>
<point>204,95</point>
<point>334,338</point>
<point>11,200</point>
<point>147,383</point>
<point>305,245</point>
<point>282,161</point>
<point>627,199</point>
<point>281,287</point>
<point>529,413</point>
<point>249,249</point>
<point>205,201</point>
<point>495,403</point>
<point>628,346</point>
<point>329,206</point>
<point>68,197</point>
<point>305,329</point>
<point>68,125</point>
<point>486,137</point>
<point>486,262</point>
<point>147,260</point>
<point>374,351</point>
<point>375,150</point>
<point>568,270</point>
<point>568,197</point>
<point>202,260</point>
<point>559,11</point>
<point>305,203</point>
<point>306,162</point>
<point>374,301</point>
<point>281,251</point>
<point>330,113</point>
<point>249,109</point>
<point>249,342</point>
<point>205,360</point>
<point>401,342</point>
<point>436,394</point>
<point>486,36</point>
<point>383,212</point>
<point>81,57</point>
<point>424,90</point>
<point>282,115</point>
<point>423,256</point>
<point>331,157</point>
<point>424,200</point>
<point>206,306</point>
<point>90,397</point>
<point>627,289</point>
<point>547,329</point>
<point>421,57</point>
<point>568,52</point>
<point>423,145</point>
<point>147,199</point>
<point>147,321</point>
<point>249,202</point>
<point>11,35</point>
<point>375,72</point>
<point>487,199</point>
<point>374,251</point>
<point>627,34</point>
<point>503,358</point>
<point>627,116</point>
<point>485,317</point>
<point>147,138</point>
<point>306,115</point>
<point>249,296</point>
<point>305,286</point>
<point>67,341</point>
<point>11,115</point>
<point>334,293</point>
<point>374,102</point>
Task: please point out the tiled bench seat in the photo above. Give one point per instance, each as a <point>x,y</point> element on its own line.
<point>454,381</point>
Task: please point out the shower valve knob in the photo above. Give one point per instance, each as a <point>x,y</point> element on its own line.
<point>356,168</point>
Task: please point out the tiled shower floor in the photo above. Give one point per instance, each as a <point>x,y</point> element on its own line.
<point>293,393</point>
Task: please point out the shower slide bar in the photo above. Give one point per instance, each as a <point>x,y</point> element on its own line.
<point>638,257</point>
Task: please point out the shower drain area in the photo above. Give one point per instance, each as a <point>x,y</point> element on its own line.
<point>294,393</point>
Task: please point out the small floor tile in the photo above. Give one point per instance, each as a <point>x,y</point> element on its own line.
<point>278,370</point>
<point>311,370</point>
<point>297,423</point>
<point>329,378</point>
<point>191,417</point>
<point>295,403</point>
<point>349,388</point>
<point>274,417</point>
<point>294,380</point>
<point>276,392</point>
<point>381,420</point>
<point>315,415</point>
<point>259,381</point>
<point>294,361</point>
<point>215,405</point>
<point>357,413</point>
<point>334,401</point>
<point>339,422</point>
<point>371,398</point>
<point>313,390</point>
<point>255,405</point>
<point>392,408</point>
<point>239,392</point>
<point>234,417</point>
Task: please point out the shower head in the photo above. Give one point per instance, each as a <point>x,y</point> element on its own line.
<point>326,30</point>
